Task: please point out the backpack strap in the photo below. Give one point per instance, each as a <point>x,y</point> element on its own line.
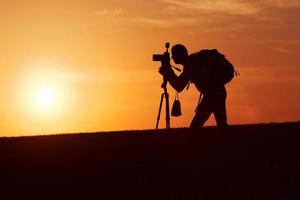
<point>188,85</point>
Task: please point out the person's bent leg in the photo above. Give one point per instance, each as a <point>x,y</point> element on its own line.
<point>203,113</point>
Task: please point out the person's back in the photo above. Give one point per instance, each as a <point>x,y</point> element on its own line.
<point>209,70</point>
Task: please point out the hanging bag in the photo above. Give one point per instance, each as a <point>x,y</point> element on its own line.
<point>176,108</point>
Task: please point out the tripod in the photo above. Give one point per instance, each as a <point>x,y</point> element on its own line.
<point>165,94</point>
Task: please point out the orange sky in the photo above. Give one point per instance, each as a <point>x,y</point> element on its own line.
<point>96,56</point>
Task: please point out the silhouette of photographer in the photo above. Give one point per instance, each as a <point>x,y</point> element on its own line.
<point>209,71</point>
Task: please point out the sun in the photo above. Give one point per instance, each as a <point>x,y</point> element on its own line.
<point>44,93</point>
<point>45,97</point>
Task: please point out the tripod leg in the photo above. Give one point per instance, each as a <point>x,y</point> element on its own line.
<point>159,111</point>
<point>167,110</point>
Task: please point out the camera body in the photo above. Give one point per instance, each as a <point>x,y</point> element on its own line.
<point>158,57</point>
<point>163,58</point>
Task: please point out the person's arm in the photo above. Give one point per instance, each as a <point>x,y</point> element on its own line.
<point>177,82</point>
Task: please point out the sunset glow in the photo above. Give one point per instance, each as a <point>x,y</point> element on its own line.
<point>76,66</point>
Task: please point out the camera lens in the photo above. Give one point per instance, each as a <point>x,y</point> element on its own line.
<point>157,57</point>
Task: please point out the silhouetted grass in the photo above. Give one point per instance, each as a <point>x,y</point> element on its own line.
<point>260,161</point>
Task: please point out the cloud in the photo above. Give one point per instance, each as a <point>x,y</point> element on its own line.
<point>254,19</point>
<point>107,12</point>
<point>166,22</point>
<point>106,75</point>
<point>283,3</point>
<point>73,76</point>
<point>241,7</point>
<point>293,42</point>
<point>217,6</point>
<point>282,50</point>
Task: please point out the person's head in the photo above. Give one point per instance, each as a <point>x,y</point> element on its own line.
<point>179,54</point>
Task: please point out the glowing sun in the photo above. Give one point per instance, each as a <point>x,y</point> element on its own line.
<point>44,93</point>
<point>45,97</point>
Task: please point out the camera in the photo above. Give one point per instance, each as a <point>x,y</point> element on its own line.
<point>158,57</point>
<point>163,58</point>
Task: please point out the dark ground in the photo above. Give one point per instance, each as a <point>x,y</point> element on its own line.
<point>249,162</point>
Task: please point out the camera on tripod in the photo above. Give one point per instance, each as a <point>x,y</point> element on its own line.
<point>163,58</point>
<point>165,63</point>
<point>165,66</point>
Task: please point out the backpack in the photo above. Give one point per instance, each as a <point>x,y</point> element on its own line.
<point>210,68</point>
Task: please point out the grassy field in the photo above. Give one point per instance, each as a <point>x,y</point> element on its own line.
<point>259,161</point>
